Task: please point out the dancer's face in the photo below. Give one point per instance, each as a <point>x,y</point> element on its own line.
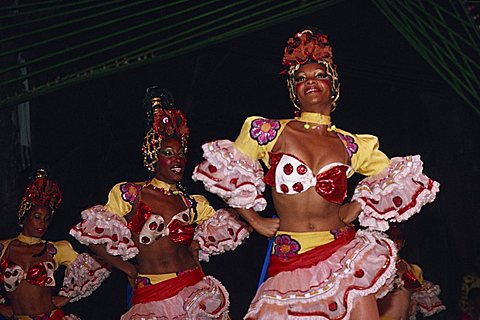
<point>37,221</point>
<point>171,161</point>
<point>312,87</point>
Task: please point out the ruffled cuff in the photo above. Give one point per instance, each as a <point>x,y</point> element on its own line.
<point>2,299</point>
<point>395,194</point>
<point>100,226</point>
<point>426,299</point>
<point>232,175</point>
<point>220,233</point>
<point>83,276</point>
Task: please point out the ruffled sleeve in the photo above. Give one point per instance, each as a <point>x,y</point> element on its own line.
<point>232,170</point>
<point>222,232</point>
<point>218,231</point>
<point>426,300</point>
<point>101,226</point>
<point>82,276</point>
<point>395,194</point>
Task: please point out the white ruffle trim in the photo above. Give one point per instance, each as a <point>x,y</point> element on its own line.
<point>395,194</point>
<point>222,232</point>
<point>426,300</point>
<point>232,175</point>
<point>207,299</point>
<point>362,267</point>
<point>83,276</point>
<point>100,226</point>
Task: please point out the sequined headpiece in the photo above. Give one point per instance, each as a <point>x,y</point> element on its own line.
<point>308,47</point>
<point>41,192</point>
<point>163,121</point>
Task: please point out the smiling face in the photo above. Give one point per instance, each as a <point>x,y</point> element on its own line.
<point>171,161</point>
<point>37,221</point>
<point>313,88</point>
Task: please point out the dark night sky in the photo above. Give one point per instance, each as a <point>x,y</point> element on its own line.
<point>90,135</point>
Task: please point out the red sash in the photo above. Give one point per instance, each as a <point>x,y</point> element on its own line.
<point>168,288</point>
<point>311,257</point>
<point>57,315</point>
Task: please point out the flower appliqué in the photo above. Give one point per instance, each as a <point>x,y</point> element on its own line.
<point>141,282</point>
<point>51,250</point>
<point>340,232</point>
<point>130,191</point>
<point>349,143</point>
<point>264,130</point>
<point>285,247</point>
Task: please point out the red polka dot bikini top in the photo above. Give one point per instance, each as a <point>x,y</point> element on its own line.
<point>151,226</point>
<point>290,175</point>
<point>40,274</point>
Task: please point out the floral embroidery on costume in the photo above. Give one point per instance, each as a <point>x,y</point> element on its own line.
<point>337,233</point>
<point>141,282</point>
<point>51,250</point>
<point>130,191</point>
<point>285,246</point>
<point>264,130</point>
<point>349,142</point>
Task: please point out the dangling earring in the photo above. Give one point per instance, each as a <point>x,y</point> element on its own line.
<point>296,111</point>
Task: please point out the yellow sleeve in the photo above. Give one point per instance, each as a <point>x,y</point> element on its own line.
<point>65,254</point>
<point>417,272</point>
<point>368,160</point>
<point>122,197</point>
<point>204,209</point>
<point>258,136</point>
<point>3,246</point>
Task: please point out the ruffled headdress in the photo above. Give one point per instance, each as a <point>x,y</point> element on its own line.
<point>163,121</point>
<point>308,46</point>
<point>41,192</point>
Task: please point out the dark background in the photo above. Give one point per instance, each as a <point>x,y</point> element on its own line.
<point>90,135</point>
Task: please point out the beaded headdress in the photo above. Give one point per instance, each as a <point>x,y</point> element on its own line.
<point>41,192</point>
<point>308,46</point>
<point>163,121</point>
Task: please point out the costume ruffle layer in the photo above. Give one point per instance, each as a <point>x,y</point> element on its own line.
<point>233,176</point>
<point>426,300</point>
<point>207,299</point>
<point>83,276</point>
<point>222,232</point>
<point>329,289</point>
<point>100,226</point>
<point>395,194</point>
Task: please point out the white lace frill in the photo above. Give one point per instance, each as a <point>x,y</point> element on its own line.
<point>426,300</point>
<point>222,232</point>
<point>232,175</point>
<point>100,226</point>
<point>395,194</point>
<point>83,276</point>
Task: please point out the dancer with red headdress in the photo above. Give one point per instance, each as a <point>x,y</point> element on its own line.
<point>28,262</point>
<point>156,222</point>
<point>320,266</point>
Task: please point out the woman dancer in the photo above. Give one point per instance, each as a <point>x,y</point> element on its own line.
<point>156,222</point>
<point>320,265</point>
<point>28,262</point>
